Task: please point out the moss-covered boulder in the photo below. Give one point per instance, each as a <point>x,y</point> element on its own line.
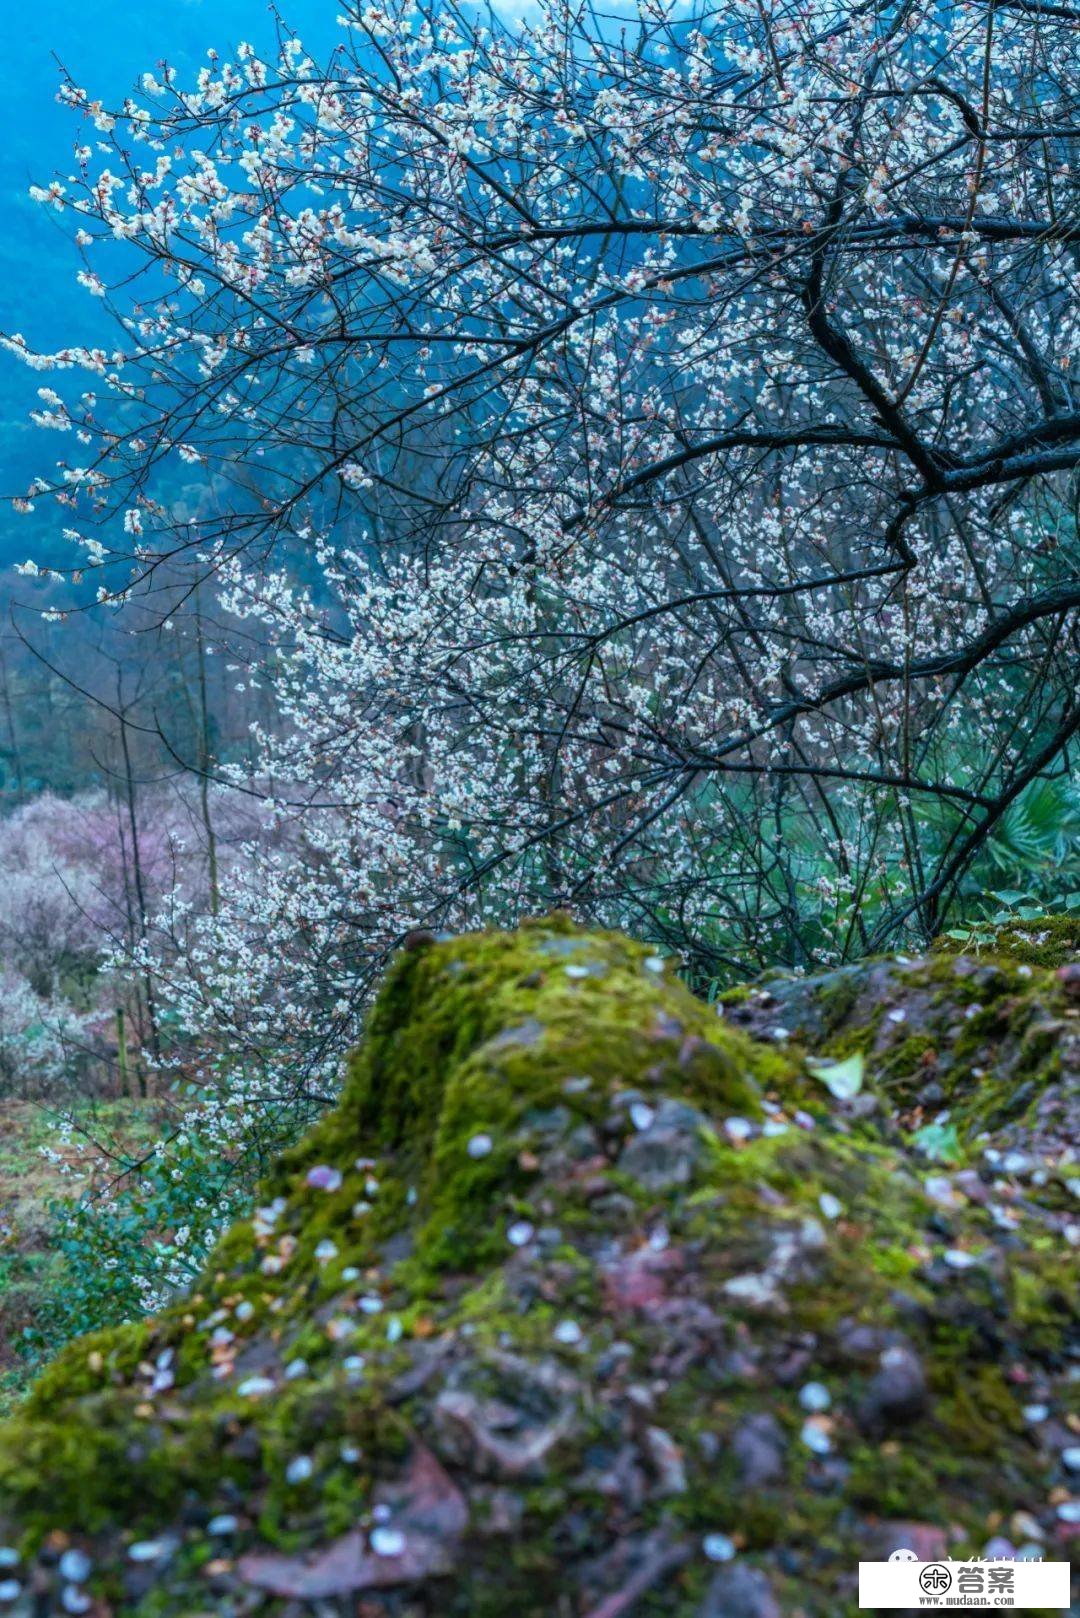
<point>586,1301</point>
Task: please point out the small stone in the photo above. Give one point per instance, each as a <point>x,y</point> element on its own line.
<point>896,1394</point>
<point>74,1600</point>
<point>9,1556</point>
<point>295,1369</point>
<point>667,1461</point>
<point>1070,1458</point>
<point>10,1589</point>
<point>830,1206</point>
<point>145,1550</point>
<point>387,1541</point>
<point>759,1291</point>
<point>520,1233</point>
<point>758,1446</point>
<point>479,1146</point>
<point>718,1547</point>
<point>1069,1511</point>
<point>739,1592</point>
<point>1036,1413</point>
<point>225,1524</point>
<point>642,1115</point>
<point>738,1129</point>
<point>568,1333</point>
<point>326,1252</point>
<point>299,1469</point>
<point>957,1258</point>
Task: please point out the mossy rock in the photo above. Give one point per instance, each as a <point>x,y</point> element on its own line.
<point>579,1289</point>
<point>1051,940</point>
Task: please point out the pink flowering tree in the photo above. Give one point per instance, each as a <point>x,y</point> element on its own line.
<point>675,421</point>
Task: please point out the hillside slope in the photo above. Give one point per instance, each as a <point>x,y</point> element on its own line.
<point>588,1301</point>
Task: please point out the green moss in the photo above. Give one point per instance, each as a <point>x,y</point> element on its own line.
<point>766,1252</point>
<point>1047,941</point>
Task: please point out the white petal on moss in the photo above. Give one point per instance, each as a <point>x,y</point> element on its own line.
<point>387,1541</point>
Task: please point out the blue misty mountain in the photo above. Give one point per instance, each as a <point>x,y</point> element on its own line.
<point>107,49</point>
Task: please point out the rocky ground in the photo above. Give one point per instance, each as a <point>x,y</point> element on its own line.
<point>591,1300</point>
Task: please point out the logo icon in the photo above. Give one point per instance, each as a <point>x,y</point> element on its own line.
<point>935,1579</point>
<point>903,1555</point>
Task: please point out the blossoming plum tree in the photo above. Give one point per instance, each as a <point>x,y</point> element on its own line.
<point>674,412</point>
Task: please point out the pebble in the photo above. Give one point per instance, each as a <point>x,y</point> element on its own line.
<point>520,1233</point>
<point>1070,1458</point>
<point>10,1589</point>
<point>642,1115</point>
<point>9,1556</point>
<point>72,1599</point>
<point>479,1146</point>
<point>958,1259</point>
<point>145,1550</point>
<point>225,1524</point>
<point>718,1547</point>
<point>830,1206</point>
<point>299,1469</point>
<point>738,1129</point>
<point>294,1369</point>
<point>1036,1413</point>
<point>387,1541</point>
<point>326,1251</point>
<point>568,1332</point>
<point>1069,1511</point>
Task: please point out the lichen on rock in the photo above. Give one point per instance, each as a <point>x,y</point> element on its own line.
<point>583,1289</point>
